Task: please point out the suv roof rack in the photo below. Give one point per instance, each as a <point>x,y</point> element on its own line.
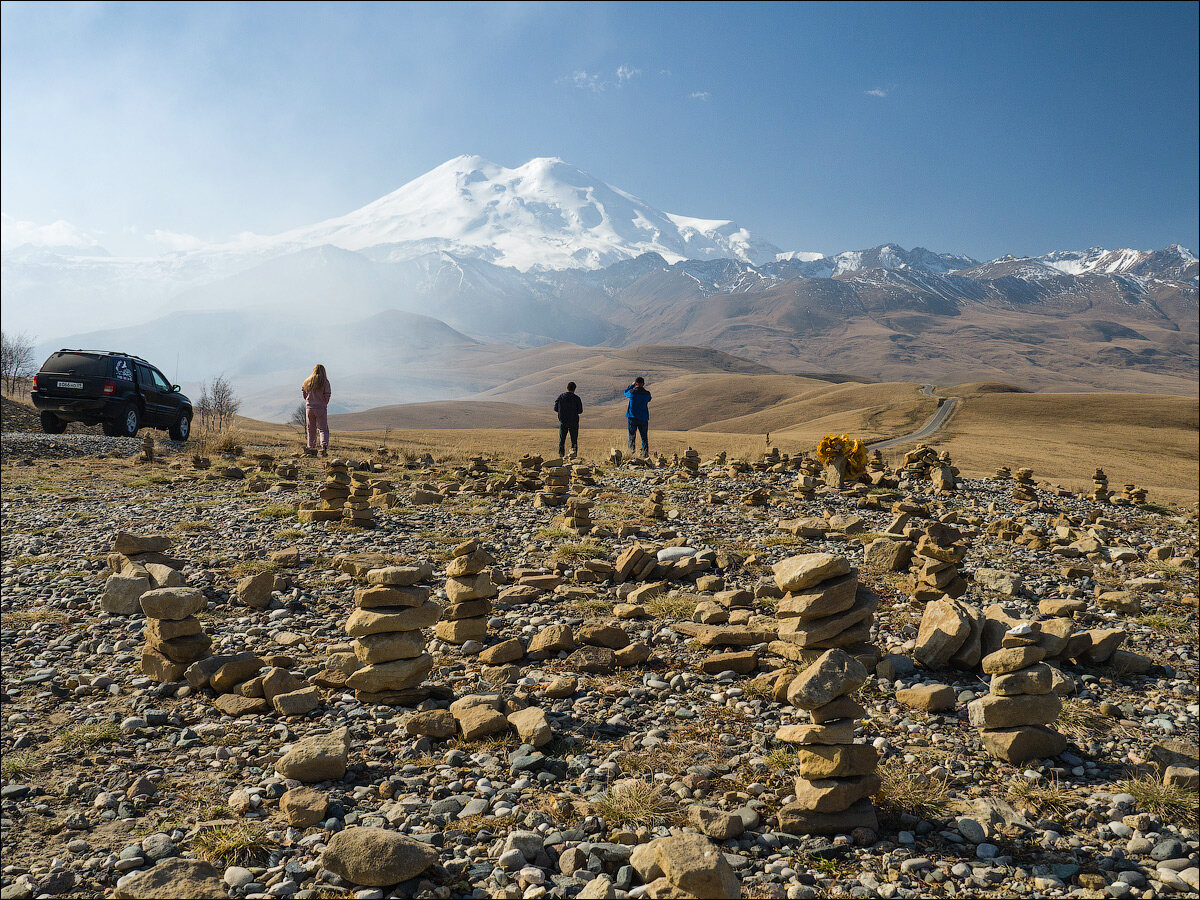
<point>105,353</point>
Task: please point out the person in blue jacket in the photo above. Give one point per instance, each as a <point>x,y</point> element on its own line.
<point>638,414</point>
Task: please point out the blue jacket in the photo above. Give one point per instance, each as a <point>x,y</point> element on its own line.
<point>639,403</point>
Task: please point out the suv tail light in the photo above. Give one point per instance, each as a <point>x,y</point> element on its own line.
<point>109,386</point>
<point>34,383</point>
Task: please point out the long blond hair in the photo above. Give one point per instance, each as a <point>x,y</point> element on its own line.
<point>317,380</point>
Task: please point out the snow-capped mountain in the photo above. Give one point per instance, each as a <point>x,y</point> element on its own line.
<point>542,215</point>
<point>1171,262</point>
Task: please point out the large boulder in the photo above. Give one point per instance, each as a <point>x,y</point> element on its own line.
<point>322,757</point>
<point>172,878</point>
<point>944,629</point>
<point>695,864</point>
<point>376,856</point>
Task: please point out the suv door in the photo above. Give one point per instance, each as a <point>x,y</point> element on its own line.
<point>154,389</point>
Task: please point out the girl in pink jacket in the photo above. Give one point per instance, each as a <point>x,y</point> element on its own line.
<point>316,393</point>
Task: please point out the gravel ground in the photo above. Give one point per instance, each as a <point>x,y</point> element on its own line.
<point>82,725</point>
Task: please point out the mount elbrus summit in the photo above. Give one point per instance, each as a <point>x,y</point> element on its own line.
<point>415,295</point>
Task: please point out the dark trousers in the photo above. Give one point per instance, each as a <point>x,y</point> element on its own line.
<point>642,428</point>
<point>565,428</point>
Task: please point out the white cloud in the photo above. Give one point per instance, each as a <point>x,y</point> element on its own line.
<point>587,81</point>
<point>626,73</point>
<point>172,240</point>
<point>700,95</point>
<point>14,233</point>
<point>876,92</point>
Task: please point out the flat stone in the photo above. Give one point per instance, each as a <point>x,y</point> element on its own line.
<point>503,652</point>
<point>236,669</point>
<point>1012,659</point>
<point>1023,744</point>
<point>297,703</point>
<point>825,599</point>
<point>741,661</point>
<point>400,576</point>
<point>993,712</point>
<point>392,618</point>
<point>796,573</point>
<point>461,630</point>
<point>1037,679</point>
<point>480,721</point>
<point>839,708</point>
<point>395,675</point>
<point>255,590</point>
<point>377,596</point>
<point>715,823</point>
<point>122,594</point>
<point>551,641</point>
<point>795,819</point>
<point>172,602</point>
<point>834,674</point>
<point>809,632</point>
<point>837,731</point>
<point>476,587</point>
<point>592,660</point>
<point>944,629</point>
<point>831,795</point>
<point>818,761</point>
<point>236,705</point>
<point>928,697</point>
<point>438,724</point>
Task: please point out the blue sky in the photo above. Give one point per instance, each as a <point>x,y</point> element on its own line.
<point>975,128</point>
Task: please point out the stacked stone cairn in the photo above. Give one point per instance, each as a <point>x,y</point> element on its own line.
<point>1100,486</point>
<point>383,494</point>
<point>174,636</point>
<point>652,506</point>
<point>690,460</point>
<point>469,590</point>
<point>935,564</point>
<point>1004,473</point>
<point>556,484</point>
<point>823,607</point>
<point>1135,494</point>
<point>837,776</point>
<point>583,477</point>
<point>356,509</point>
<point>919,462</point>
<point>1014,716</point>
<point>1025,490</point>
<point>944,475</point>
<point>578,518</point>
<point>333,495</point>
<point>138,563</point>
<point>391,611</point>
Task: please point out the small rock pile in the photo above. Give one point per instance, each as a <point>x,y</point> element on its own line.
<point>919,462</point>
<point>690,460</point>
<point>333,495</point>
<point>1020,704</point>
<point>1134,494</point>
<point>823,607</point>
<point>1100,486</point>
<point>556,484</point>
<point>1025,490</point>
<point>935,565</point>
<point>174,636</point>
<point>837,776</point>
<point>652,507</point>
<point>578,518</point>
<point>469,590</point>
<point>388,641</point>
<point>138,563</point>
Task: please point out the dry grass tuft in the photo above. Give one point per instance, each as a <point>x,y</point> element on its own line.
<point>636,803</point>
<point>905,791</point>
<point>579,550</point>
<point>14,764</point>
<point>1165,802</point>
<point>1167,624</point>
<point>1080,721</point>
<point>673,605</point>
<point>233,845</point>
<point>89,735</point>
<point>1043,799</point>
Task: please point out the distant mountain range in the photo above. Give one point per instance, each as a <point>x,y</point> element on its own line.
<point>406,291</point>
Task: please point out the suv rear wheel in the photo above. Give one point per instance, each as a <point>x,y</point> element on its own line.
<point>129,422</point>
<point>182,428</point>
<point>52,424</point>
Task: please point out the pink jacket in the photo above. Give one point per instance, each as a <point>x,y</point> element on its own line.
<point>317,399</point>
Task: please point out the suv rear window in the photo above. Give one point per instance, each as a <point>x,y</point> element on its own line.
<point>76,364</point>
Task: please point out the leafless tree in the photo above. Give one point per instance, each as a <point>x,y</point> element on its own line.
<point>299,418</point>
<point>217,406</point>
<point>16,360</point>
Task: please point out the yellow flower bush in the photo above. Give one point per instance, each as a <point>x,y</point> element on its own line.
<point>853,449</point>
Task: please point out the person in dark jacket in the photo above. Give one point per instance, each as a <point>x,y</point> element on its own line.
<point>568,406</point>
<point>638,413</point>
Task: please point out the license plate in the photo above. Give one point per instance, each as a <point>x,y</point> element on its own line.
<point>78,385</point>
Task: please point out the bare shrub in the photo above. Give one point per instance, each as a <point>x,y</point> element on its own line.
<point>217,406</point>
<point>16,360</point>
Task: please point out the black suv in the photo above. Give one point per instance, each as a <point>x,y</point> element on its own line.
<point>117,390</point>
